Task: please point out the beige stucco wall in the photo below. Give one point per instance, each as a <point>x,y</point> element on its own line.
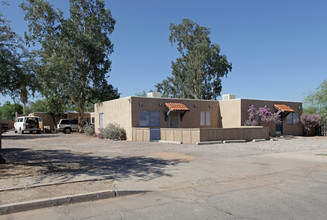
<point>184,135</point>
<point>287,129</point>
<point>92,115</point>
<point>141,134</point>
<point>115,111</point>
<point>230,114</point>
<point>240,133</point>
<point>47,119</point>
<point>191,118</point>
<point>194,135</point>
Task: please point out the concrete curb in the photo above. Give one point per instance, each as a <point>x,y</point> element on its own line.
<point>258,140</point>
<point>208,142</point>
<point>233,141</point>
<point>170,142</point>
<point>65,200</point>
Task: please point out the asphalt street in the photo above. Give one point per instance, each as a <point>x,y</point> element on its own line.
<point>294,194</point>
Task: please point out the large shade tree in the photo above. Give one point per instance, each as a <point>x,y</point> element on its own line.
<point>197,73</point>
<point>73,59</point>
<point>316,102</point>
<point>15,80</point>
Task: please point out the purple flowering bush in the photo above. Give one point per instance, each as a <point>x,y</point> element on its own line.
<point>262,114</point>
<point>310,120</point>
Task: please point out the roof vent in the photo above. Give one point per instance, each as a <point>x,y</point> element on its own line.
<point>154,94</point>
<point>228,97</point>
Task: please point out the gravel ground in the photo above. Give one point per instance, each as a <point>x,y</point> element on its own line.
<point>32,155</point>
<point>80,144</point>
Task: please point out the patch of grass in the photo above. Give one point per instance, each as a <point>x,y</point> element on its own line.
<point>321,154</point>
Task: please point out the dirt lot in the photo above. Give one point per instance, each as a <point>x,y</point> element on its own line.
<point>63,164</point>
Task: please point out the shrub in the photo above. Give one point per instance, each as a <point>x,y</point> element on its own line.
<point>89,130</point>
<point>100,134</point>
<point>112,131</point>
<point>263,114</point>
<point>310,120</point>
<point>250,123</point>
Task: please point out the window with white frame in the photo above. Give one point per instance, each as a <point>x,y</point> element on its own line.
<point>101,119</point>
<point>205,119</point>
<point>149,118</point>
<point>293,118</point>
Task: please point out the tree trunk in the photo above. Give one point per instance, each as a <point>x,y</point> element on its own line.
<point>81,120</point>
<point>53,116</point>
<point>2,160</point>
<point>24,98</point>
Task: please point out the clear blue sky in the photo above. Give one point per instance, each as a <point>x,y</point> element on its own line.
<point>277,48</point>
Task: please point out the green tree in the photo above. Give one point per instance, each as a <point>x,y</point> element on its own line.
<point>74,57</point>
<point>9,59</point>
<point>40,105</point>
<point>144,93</point>
<point>197,73</point>
<point>316,102</point>
<point>16,79</point>
<point>8,110</point>
<point>53,105</point>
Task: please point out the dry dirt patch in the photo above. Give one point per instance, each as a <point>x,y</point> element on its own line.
<point>173,156</point>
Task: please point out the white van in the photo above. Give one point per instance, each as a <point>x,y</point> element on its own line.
<point>28,123</point>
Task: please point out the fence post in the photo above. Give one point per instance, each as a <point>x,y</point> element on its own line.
<point>2,160</point>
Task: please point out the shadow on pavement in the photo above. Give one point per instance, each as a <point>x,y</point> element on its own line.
<point>65,164</point>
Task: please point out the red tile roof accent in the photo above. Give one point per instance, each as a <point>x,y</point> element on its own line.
<point>284,108</point>
<point>177,106</point>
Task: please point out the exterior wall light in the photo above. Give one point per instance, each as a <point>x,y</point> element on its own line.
<point>195,106</point>
<point>140,104</point>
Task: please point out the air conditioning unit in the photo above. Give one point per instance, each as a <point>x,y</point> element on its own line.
<point>228,97</point>
<point>154,94</point>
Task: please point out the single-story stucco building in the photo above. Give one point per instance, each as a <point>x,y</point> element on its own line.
<point>150,118</point>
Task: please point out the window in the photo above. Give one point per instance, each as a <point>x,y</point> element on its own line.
<point>205,119</point>
<point>101,119</point>
<point>65,122</point>
<point>293,118</point>
<point>93,120</point>
<point>74,121</point>
<point>149,118</point>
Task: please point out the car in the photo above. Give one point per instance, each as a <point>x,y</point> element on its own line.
<point>67,125</point>
<point>28,123</point>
